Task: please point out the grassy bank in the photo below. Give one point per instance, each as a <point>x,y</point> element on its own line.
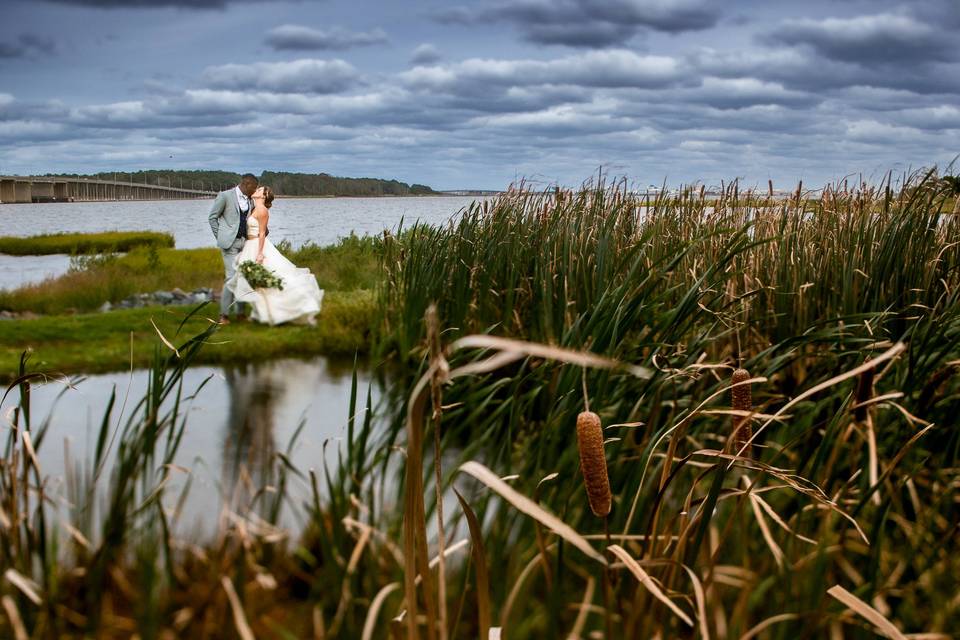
<point>91,343</point>
<point>350,264</point>
<point>96,280</point>
<point>83,243</point>
<point>72,337</point>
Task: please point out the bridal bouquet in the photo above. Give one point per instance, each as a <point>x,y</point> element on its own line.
<point>259,277</point>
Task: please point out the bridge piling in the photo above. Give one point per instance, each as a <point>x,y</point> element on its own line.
<point>23,189</point>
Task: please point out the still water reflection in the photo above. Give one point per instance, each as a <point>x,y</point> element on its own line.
<point>17,271</point>
<point>235,425</point>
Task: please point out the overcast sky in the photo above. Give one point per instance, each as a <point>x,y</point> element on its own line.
<point>473,94</point>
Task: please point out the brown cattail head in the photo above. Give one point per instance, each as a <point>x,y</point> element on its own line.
<point>742,398</point>
<point>864,393</point>
<point>593,463</point>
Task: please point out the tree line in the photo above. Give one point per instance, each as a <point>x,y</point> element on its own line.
<point>283,182</point>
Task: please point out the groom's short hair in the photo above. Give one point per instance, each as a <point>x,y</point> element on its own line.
<point>249,177</point>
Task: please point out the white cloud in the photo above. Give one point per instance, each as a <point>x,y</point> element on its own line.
<point>613,68</point>
<point>876,132</point>
<point>737,93</point>
<point>296,76</point>
<point>131,112</point>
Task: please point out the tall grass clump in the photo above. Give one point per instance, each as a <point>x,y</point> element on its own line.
<point>116,514</point>
<point>108,553</point>
<point>84,243</point>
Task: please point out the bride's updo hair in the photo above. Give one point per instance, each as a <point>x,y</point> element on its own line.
<point>267,197</point>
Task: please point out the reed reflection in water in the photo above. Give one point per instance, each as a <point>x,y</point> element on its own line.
<point>236,425</point>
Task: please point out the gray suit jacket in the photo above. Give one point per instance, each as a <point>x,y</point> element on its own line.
<point>225,218</point>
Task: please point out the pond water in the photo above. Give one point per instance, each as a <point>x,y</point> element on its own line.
<point>17,271</point>
<point>241,417</point>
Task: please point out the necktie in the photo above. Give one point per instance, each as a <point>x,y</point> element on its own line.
<point>244,210</point>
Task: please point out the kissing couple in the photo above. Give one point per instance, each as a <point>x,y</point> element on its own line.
<point>239,219</point>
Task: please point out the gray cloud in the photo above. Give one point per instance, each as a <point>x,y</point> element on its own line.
<point>869,40</point>
<point>151,4</point>
<point>594,34</point>
<point>30,130</point>
<point>12,109</point>
<point>425,54</point>
<point>295,76</point>
<point>172,115</point>
<point>778,95</point>
<point>27,44</point>
<point>590,23</point>
<point>944,13</point>
<point>934,118</point>
<point>291,37</point>
<point>806,70</point>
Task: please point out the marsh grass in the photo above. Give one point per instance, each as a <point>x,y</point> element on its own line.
<point>114,278</point>
<point>646,307</point>
<point>84,243</point>
<point>797,291</point>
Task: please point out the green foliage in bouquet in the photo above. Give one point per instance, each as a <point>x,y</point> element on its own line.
<point>259,277</point>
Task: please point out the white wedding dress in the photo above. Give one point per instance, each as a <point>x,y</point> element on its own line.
<point>299,300</point>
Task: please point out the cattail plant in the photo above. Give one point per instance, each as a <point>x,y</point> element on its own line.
<point>593,463</point>
<point>742,401</point>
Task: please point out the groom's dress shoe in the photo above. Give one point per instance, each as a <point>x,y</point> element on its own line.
<point>224,320</point>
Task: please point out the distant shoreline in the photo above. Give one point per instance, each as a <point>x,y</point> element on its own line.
<point>278,196</point>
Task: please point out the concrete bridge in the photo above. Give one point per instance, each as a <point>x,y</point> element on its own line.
<point>15,189</point>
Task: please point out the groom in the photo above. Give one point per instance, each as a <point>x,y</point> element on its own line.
<point>228,221</point>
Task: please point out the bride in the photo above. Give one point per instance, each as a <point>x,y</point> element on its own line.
<point>299,299</point>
